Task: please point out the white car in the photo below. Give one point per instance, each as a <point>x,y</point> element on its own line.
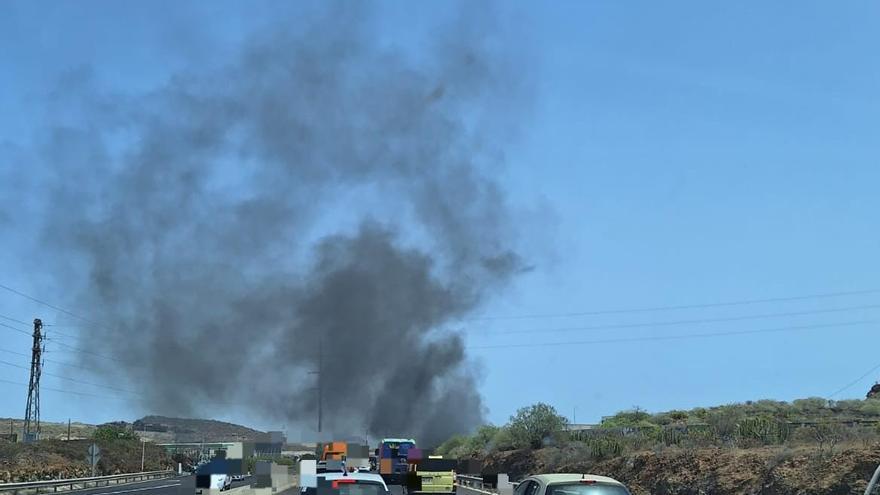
<point>357,483</point>
<point>570,484</point>
<point>219,482</point>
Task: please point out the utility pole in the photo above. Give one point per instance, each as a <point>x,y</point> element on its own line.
<point>320,377</point>
<point>68,429</point>
<point>320,374</point>
<point>143,446</point>
<point>32,410</point>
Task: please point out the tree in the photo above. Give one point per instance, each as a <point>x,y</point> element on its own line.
<point>114,432</point>
<point>452,445</point>
<point>634,417</point>
<point>533,426</point>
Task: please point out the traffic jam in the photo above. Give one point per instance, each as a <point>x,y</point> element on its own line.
<point>349,469</point>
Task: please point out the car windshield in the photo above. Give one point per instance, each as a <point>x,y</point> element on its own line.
<point>586,489</point>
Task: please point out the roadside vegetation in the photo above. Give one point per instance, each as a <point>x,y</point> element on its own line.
<point>816,423</point>
<point>54,459</point>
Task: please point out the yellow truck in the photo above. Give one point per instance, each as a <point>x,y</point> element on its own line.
<point>436,475</point>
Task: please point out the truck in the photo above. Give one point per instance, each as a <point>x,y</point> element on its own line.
<point>393,459</point>
<point>352,454</point>
<point>435,475</point>
<point>336,451</point>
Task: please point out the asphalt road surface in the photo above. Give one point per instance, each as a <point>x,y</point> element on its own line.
<point>181,485</point>
<point>167,486</point>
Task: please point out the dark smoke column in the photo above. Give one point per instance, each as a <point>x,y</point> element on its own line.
<point>317,185</point>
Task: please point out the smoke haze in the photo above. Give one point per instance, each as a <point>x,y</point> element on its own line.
<point>316,191</point>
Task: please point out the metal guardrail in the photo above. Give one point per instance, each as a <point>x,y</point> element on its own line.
<point>66,485</point>
<point>473,484</point>
<point>476,485</point>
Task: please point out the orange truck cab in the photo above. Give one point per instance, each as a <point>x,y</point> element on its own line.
<point>337,451</point>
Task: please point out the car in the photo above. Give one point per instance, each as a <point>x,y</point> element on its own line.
<point>219,482</point>
<point>350,483</point>
<point>570,484</point>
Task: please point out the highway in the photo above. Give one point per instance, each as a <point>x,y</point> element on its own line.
<point>181,485</point>
<point>167,486</point>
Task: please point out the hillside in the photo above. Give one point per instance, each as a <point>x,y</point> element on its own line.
<point>195,430</point>
<point>159,429</point>
<point>50,430</point>
<point>716,471</point>
<point>809,446</point>
<point>55,459</point>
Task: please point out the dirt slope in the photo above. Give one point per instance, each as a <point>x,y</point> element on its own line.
<point>197,430</point>
<point>717,471</point>
<point>54,459</point>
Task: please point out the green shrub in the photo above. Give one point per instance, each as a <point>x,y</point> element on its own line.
<point>604,447</point>
<point>114,432</point>
<point>631,418</point>
<point>810,407</point>
<point>724,421</point>
<point>449,446</point>
<point>533,426</point>
<point>869,407</point>
<point>503,440</point>
<point>762,430</point>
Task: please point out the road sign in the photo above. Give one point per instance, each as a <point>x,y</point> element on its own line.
<point>93,457</point>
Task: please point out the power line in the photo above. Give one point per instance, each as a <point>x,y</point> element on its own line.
<point>16,329</point>
<point>62,377</point>
<point>44,303</point>
<point>857,380</point>
<point>15,320</point>
<point>30,324</point>
<point>15,352</point>
<point>85,351</point>
<point>681,322</point>
<point>673,337</point>
<point>65,391</point>
<point>63,363</point>
<point>678,307</point>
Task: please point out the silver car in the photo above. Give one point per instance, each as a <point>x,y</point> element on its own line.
<point>570,484</point>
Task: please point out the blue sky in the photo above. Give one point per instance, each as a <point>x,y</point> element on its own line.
<point>676,153</point>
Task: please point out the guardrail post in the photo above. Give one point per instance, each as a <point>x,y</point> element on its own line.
<point>504,487</point>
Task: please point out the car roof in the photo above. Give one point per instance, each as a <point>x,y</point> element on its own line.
<point>357,476</point>
<point>551,479</point>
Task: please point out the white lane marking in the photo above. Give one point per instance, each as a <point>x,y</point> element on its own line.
<point>136,489</point>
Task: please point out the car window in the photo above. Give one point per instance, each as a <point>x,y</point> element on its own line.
<point>528,487</point>
<point>361,488</point>
<point>586,489</point>
<point>521,488</point>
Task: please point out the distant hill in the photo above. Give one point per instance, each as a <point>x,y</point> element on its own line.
<point>165,429</point>
<point>49,429</point>
<point>159,429</point>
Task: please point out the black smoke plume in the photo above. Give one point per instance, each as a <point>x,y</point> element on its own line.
<point>318,191</point>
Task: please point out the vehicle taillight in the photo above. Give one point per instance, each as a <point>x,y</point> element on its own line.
<point>589,482</point>
<point>343,480</point>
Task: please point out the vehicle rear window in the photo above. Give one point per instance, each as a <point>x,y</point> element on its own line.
<point>586,489</point>
<point>360,488</point>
